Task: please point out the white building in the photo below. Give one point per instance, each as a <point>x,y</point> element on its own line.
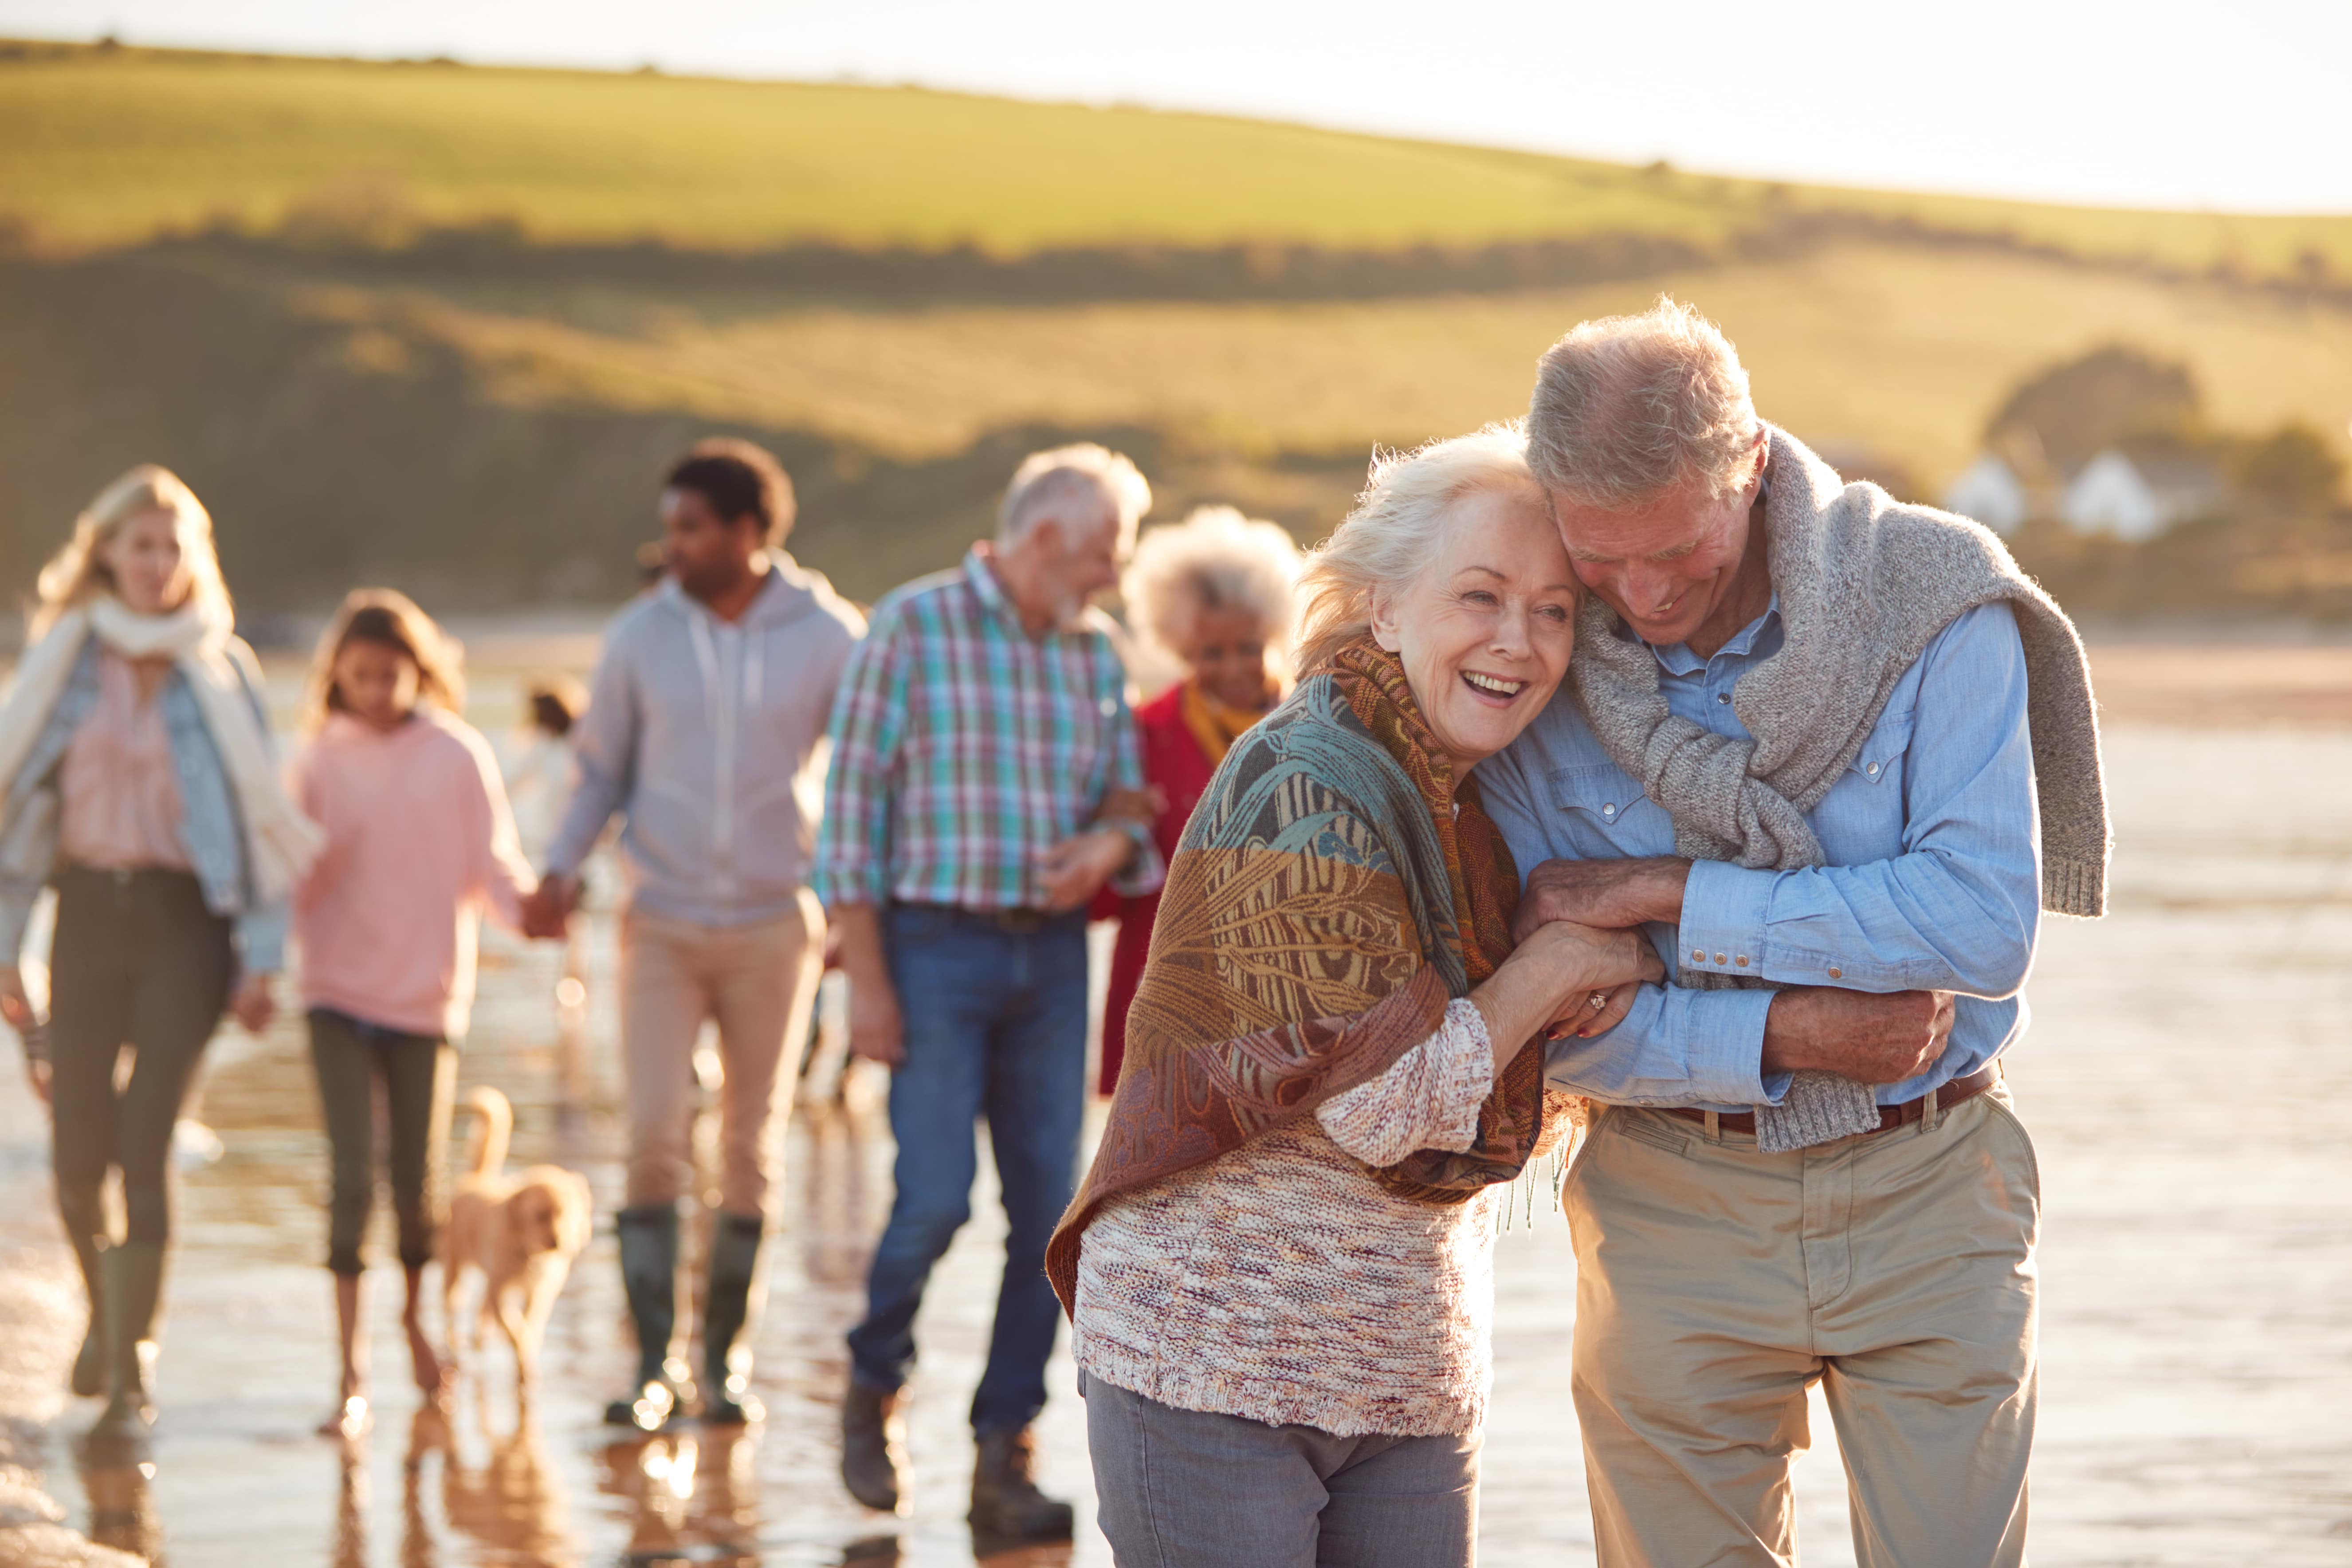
<point>1990,492</point>
<point>2136,499</point>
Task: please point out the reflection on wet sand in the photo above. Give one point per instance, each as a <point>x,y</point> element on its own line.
<point>117,1477</point>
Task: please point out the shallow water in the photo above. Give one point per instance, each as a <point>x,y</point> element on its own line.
<point>2180,1079</point>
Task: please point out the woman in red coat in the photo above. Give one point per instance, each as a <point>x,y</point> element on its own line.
<point>1214,591</point>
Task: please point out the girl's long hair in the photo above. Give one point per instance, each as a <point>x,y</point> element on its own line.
<point>78,572</point>
<point>388,619</point>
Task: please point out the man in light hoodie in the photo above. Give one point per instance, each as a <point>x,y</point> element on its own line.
<point>702,733</point>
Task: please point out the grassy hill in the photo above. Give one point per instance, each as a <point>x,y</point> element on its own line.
<point>441,325</point>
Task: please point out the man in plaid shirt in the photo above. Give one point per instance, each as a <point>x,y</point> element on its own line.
<point>986,781</point>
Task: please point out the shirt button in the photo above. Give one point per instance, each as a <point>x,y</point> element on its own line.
<point>1609,809</point>
<point>1723,697</point>
<point>1720,958</point>
<point>1837,974</point>
<point>1741,960</point>
<point>1699,956</point>
<point>1872,770</point>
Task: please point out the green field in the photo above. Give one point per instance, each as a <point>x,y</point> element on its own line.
<point>481,424</point>
<point>108,147</point>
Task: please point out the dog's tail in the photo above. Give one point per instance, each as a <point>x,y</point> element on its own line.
<point>497,1126</point>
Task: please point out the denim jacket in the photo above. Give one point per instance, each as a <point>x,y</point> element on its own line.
<point>212,832</point>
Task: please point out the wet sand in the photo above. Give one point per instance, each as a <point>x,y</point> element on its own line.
<point>2197,1263</point>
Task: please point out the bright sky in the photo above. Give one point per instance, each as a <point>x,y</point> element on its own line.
<point>2239,106</point>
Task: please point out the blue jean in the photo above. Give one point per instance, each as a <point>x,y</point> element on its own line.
<point>995,1026</point>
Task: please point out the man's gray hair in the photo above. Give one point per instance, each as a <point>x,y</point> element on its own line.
<point>1397,530</point>
<point>1073,483</point>
<point>1628,410</point>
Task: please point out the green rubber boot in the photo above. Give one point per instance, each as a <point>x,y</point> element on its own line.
<point>727,1398</point>
<point>649,1277</point>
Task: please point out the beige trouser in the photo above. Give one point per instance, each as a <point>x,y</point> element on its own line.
<point>1714,1284</point>
<point>758,982</point>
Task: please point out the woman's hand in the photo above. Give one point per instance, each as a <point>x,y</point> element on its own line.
<point>15,1009</point>
<point>255,1003</point>
<point>1548,983</point>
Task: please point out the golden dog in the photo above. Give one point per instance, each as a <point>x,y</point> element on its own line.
<point>523,1232</point>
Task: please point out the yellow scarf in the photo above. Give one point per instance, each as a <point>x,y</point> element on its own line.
<point>1213,723</point>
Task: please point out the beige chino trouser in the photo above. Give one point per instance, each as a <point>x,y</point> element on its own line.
<point>1715,1283</point>
<point>758,982</point>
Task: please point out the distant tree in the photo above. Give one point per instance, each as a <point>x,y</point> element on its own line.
<point>2073,410</point>
<point>2293,468</point>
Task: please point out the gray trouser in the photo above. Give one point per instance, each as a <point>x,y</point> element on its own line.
<point>419,1075</point>
<point>1179,1489</point>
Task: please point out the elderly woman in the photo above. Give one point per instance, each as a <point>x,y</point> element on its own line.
<point>1278,1268</point>
<point>140,779</point>
<point>1212,592</point>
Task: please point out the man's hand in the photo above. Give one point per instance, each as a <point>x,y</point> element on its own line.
<point>547,912</point>
<point>1071,871</point>
<point>1610,894</point>
<point>876,1030</point>
<point>255,1003</point>
<point>1867,1039</point>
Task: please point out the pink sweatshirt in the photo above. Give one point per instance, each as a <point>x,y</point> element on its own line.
<point>418,839</point>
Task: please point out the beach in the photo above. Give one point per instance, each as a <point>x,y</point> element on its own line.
<point>2196,1256</point>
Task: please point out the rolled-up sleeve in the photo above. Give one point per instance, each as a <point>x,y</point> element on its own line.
<point>1959,909</point>
<point>1676,1047</point>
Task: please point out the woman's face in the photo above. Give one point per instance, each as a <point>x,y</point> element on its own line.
<point>1485,632</point>
<point>149,563</point>
<point>1226,653</point>
<point>377,683</point>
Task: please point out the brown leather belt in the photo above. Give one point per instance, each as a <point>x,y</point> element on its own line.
<point>1959,1091</point>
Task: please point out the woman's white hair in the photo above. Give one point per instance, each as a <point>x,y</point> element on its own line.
<point>78,572</point>
<point>1628,410</point>
<point>1397,530</point>
<point>1069,481</point>
<point>1214,560</point>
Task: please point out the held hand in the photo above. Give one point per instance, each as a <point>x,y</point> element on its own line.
<point>1550,978</point>
<point>1608,893</point>
<point>255,1002</point>
<point>1595,1014</point>
<point>1868,1038</point>
<point>876,1030</point>
<point>546,914</point>
<point>1071,871</point>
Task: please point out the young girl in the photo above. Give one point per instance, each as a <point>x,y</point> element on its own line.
<point>418,840</point>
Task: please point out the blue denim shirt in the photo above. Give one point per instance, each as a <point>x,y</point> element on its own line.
<point>1933,879</point>
<point>212,832</point>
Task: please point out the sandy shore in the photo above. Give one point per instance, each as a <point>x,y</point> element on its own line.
<point>2196,1257</point>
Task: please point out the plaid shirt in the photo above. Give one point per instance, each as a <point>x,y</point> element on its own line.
<point>962,747</point>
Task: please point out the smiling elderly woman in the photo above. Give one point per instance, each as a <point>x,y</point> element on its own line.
<point>1278,1268</point>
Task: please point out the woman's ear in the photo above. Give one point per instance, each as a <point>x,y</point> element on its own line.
<point>1379,605</point>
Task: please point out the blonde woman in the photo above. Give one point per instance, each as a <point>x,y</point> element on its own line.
<point>1213,593</point>
<point>139,777</point>
<point>1279,1269</point>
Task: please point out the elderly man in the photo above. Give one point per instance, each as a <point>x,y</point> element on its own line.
<point>1798,751</point>
<point>986,782</point>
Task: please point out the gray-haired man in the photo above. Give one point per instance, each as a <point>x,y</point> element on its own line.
<point>1795,744</point>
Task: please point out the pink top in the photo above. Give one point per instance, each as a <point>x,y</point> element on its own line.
<point>120,787</point>
<point>418,839</point>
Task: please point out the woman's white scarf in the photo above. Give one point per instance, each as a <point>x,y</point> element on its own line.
<point>280,842</point>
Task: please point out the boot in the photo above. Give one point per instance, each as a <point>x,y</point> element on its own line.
<point>873,1447</point>
<point>89,1365</point>
<point>727,1398</point>
<point>1006,1506</point>
<point>649,1277</point>
<point>133,1283</point>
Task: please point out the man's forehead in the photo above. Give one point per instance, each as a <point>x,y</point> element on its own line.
<point>1592,534</point>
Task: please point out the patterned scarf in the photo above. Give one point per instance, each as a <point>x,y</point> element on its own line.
<point>1336,888</point>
